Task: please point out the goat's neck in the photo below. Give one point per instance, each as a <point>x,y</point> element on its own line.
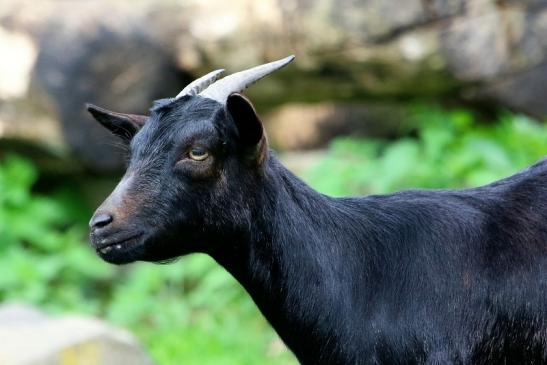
<point>290,261</point>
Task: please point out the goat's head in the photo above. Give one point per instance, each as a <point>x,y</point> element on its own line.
<point>191,162</point>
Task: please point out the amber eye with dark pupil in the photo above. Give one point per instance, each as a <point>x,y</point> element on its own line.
<point>198,153</point>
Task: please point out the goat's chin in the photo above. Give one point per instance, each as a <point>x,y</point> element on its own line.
<point>135,249</point>
<point>124,255</point>
<point>149,248</point>
<point>166,261</point>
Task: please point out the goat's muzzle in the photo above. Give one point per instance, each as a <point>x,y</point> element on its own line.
<point>112,243</point>
<point>114,234</point>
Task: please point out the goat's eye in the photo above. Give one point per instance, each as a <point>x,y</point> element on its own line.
<point>198,153</point>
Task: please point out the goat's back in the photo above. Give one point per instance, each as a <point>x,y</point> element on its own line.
<point>458,276</point>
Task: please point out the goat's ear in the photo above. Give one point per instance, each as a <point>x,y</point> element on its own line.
<point>122,125</point>
<point>252,139</point>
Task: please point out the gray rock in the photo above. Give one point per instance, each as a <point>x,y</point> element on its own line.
<point>524,3</point>
<point>19,314</point>
<point>444,8</point>
<point>525,91</point>
<point>381,18</point>
<point>29,337</point>
<point>475,47</point>
<point>122,71</point>
<point>122,56</point>
<point>86,53</point>
<point>319,123</point>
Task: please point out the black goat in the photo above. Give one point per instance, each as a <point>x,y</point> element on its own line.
<point>417,277</point>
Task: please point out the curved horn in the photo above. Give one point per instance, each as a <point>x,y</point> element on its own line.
<point>197,86</point>
<point>221,89</point>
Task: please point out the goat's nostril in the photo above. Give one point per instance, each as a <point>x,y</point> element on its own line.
<point>100,220</point>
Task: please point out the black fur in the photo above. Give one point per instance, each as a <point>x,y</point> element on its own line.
<point>416,277</point>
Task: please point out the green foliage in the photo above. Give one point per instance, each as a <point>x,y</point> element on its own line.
<point>451,150</point>
<point>194,312</point>
<point>190,312</point>
<point>42,257</point>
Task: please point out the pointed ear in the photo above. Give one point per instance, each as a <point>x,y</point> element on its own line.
<point>122,125</point>
<point>252,138</point>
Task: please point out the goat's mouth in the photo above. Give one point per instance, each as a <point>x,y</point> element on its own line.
<point>120,250</point>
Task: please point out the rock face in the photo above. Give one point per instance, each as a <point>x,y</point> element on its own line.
<point>308,126</point>
<point>79,54</point>
<point>123,55</point>
<point>29,337</point>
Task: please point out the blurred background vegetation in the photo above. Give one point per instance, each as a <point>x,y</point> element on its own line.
<point>383,96</point>
<point>192,311</point>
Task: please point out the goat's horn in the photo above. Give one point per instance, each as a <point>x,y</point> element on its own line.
<point>198,85</point>
<point>221,89</point>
